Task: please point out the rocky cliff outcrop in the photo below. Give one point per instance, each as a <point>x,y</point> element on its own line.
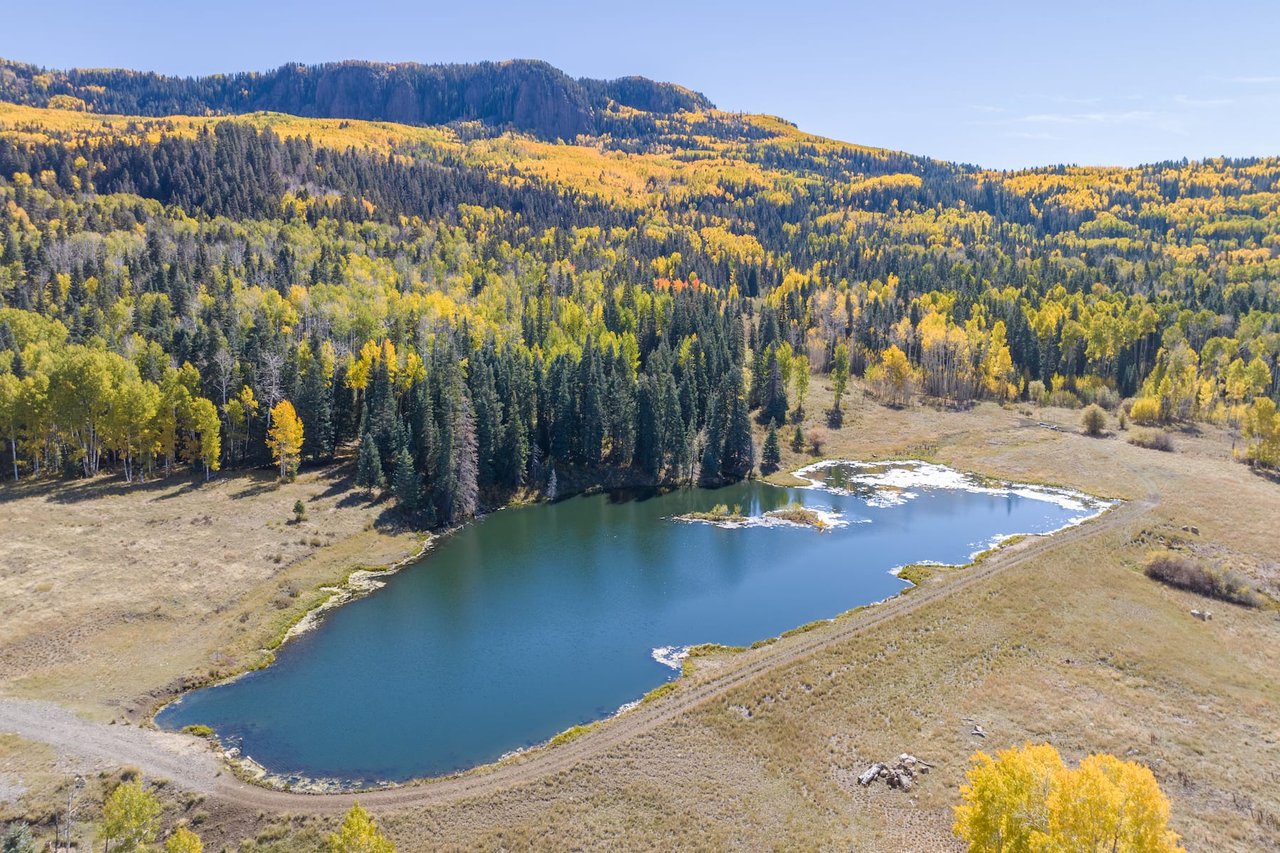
<point>526,95</point>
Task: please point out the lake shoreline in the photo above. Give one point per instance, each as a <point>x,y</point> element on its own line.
<point>361,582</point>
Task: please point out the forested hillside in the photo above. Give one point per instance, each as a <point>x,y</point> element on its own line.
<point>472,310</point>
<point>523,94</point>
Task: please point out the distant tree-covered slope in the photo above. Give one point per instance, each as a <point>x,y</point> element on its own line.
<point>473,313</point>
<point>522,94</point>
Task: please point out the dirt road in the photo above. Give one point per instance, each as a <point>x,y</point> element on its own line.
<point>185,761</point>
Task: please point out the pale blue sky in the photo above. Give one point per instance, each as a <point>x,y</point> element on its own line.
<point>999,83</point>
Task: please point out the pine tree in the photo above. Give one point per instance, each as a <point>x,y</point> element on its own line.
<point>648,452</point>
<point>513,451</point>
<point>773,402</point>
<point>840,380</point>
<point>712,443</point>
<point>770,454</point>
<point>563,427</point>
<point>488,417</point>
<point>672,423</point>
<point>368,466</point>
<point>406,484</point>
<point>315,407</point>
<point>738,457</point>
<point>591,410</point>
<point>467,490</point>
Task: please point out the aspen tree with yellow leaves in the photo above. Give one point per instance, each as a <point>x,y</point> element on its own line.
<point>1025,800</point>
<point>285,438</point>
<point>359,834</point>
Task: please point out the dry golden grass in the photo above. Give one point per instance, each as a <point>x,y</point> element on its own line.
<point>115,594</point>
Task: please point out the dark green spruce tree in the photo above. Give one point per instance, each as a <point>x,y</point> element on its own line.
<point>314,401</point>
<point>770,453</point>
<point>368,465</point>
<point>407,483</point>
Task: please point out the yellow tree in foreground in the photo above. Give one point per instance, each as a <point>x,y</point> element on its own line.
<point>184,840</point>
<point>894,377</point>
<point>285,438</point>
<point>1026,800</point>
<point>359,834</point>
<point>129,818</point>
<point>1262,433</point>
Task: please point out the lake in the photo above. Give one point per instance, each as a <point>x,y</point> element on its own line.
<point>539,618</point>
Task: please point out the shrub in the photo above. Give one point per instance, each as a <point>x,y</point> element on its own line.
<point>1036,392</point>
<point>1106,398</point>
<point>1152,439</point>
<point>17,839</point>
<point>1094,419</point>
<point>1064,399</point>
<point>1145,410</point>
<point>817,439</point>
<point>1186,573</point>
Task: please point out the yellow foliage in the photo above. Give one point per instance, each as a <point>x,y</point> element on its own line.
<point>1262,433</point>
<point>183,840</point>
<point>359,834</point>
<point>1026,800</point>
<point>1145,410</point>
<point>285,438</point>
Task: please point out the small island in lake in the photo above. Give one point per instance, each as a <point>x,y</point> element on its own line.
<point>798,514</point>
<point>794,514</point>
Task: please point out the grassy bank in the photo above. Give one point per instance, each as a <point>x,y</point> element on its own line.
<point>1076,647</point>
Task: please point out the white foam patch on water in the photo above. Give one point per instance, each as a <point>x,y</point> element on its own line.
<point>895,483</point>
<point>670,656</point>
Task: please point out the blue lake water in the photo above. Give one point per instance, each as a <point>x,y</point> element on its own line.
<point>536,619</point>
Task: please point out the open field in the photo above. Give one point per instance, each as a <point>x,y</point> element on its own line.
<point>115,594</point>
<point>1063,640</point>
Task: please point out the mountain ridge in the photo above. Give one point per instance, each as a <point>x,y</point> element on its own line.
<point>528,95</point>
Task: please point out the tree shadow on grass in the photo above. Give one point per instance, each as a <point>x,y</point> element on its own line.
<point>341,480</point>
<point>260,482</point>
<point>359,497</point>
<point>113,485</point>
<point>1270,474</point>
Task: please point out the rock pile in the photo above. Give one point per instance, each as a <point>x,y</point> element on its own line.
<point>900,775</point>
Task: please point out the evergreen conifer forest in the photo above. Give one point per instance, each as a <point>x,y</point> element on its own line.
<point>485,305</point>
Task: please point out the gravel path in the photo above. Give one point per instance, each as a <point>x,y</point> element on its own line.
<point>187,762</point>
<point>87,747</point>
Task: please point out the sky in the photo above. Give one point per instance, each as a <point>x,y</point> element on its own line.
<point>998,84</point>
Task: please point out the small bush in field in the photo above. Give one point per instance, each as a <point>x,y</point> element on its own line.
<point>1094,420</point>
<point>1186,573</point>
<point>1152,439</point>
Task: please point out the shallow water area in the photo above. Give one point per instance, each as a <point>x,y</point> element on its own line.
<point>536,619</point>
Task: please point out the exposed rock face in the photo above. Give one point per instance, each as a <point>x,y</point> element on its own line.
<point>526,95</point>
